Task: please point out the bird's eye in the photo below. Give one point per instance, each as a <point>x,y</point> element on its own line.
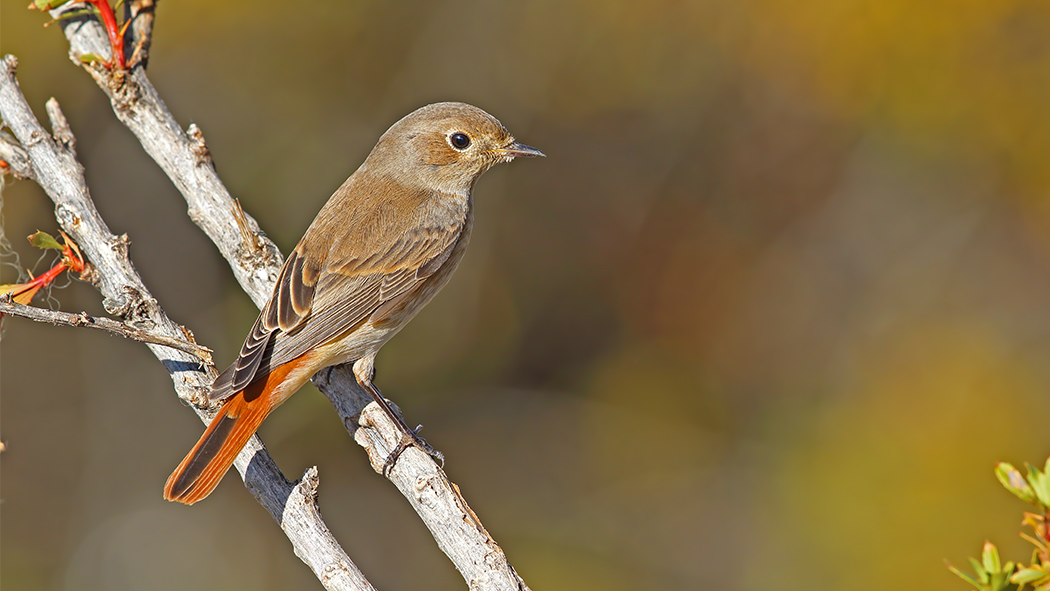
<point>459,140</point>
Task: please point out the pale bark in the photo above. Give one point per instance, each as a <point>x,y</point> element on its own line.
<point>56,169</point>
<point>255,261</point>
<point>59,318</point>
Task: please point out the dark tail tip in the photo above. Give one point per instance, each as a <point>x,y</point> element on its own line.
<point>183,481</point>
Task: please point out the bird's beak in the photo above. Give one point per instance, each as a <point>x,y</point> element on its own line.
<point>519,150</point>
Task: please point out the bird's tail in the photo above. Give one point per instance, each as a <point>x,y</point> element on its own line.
<point>206,464</point>
<point>238,419</point>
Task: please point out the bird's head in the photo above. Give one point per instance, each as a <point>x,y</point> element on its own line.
<point>446,146</point>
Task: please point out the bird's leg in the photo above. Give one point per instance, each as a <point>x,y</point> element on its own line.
<point>409,436</point>
<point>364,372</point>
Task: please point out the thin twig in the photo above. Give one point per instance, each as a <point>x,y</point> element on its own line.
<point>140,14</point>
<point>60,129</point>
<point>59,318</point>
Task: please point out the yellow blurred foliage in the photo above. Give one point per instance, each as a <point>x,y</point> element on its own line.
<point>902,459</point>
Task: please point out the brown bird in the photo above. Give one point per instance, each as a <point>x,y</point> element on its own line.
<point>376,253</point>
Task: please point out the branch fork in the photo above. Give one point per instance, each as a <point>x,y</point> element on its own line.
<point>255,262</point>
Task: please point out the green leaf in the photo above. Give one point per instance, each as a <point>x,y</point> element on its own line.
<point>1025,576</point>
<point>1012,480</point>
<point>72,14</point>
<point>1040,483</point>
<point>990,559</point>
<point>89,58</point>
<point>982,575</point>
<point>44,240</point>
<point>49,4</point>
<point>1001,580</point>
<point>966,577</point>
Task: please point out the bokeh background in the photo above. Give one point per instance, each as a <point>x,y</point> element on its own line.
<point>765,317</point>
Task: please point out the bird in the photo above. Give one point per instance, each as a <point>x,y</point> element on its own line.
<point>383,245</point>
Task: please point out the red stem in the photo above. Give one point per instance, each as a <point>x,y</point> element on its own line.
<point>46,278</point>
<point>71,258</point>
<point>109,20</point>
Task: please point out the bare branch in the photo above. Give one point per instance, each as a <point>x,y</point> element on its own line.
<point>60,127</point>
<point>437,500</point>
<point>183,158</point>
<point>61,176</point>
<point>15,156</point>
<point>59,318</point>
<point>256,262</point>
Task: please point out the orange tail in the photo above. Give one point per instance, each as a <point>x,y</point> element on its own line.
<point>238,419</point>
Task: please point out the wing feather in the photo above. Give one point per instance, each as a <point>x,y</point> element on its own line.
<point>319,296</point>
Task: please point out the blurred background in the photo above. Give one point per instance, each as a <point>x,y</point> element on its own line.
<point>766,316</point>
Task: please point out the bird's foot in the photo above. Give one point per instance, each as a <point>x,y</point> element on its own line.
<point>408,439</point>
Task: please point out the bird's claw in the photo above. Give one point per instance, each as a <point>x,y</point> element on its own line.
<point>410,439</point>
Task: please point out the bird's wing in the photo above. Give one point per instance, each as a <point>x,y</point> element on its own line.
<point>322,295</point>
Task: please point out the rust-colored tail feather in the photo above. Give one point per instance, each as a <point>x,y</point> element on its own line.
<point>237,420</point>
<point>206,464</point>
